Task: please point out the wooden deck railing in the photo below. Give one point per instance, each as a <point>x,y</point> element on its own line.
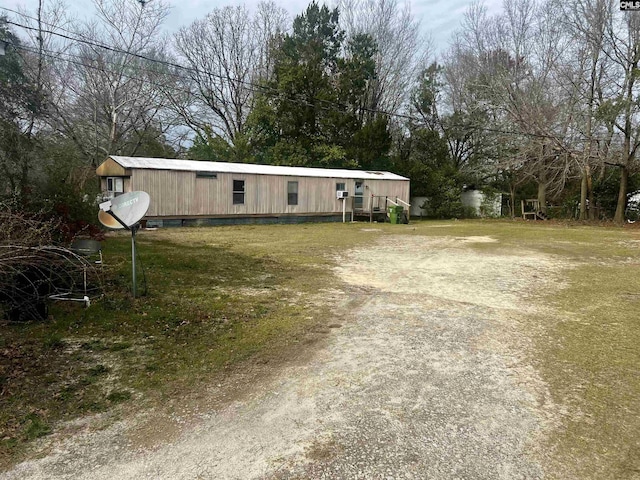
<point>379,204</point>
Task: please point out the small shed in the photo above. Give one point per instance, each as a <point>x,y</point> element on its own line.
<point>190,192</point>
<point>483,205</point>
<point>418,205</point>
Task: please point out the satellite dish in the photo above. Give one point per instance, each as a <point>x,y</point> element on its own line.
<point>124,211</point>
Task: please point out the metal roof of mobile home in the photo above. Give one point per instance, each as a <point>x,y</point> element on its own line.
<point>250,168</point>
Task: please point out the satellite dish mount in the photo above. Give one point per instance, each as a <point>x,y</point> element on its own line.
<point>125,212</point>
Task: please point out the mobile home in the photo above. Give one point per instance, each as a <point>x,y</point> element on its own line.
<point>189,192</point>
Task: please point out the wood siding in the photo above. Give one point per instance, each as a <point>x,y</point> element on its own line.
<point>181,194</point>
<point>111,168</point>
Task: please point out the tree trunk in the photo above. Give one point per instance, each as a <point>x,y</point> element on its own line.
<point>622,196</point>
<point>512,204</point>
<point>592,203</point>
<point>583,195</point>
<point>542,197</point>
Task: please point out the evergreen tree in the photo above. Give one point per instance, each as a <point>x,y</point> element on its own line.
<point>311,112</point>
<point>19,102</point>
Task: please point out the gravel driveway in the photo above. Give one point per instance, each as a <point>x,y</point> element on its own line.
<point>426,377</point>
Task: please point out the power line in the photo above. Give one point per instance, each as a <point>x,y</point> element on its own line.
<point>56,56</point>
<point>81,63</point>
<point>43,22</point>
<point>254,87</point>
<point>250,86</point>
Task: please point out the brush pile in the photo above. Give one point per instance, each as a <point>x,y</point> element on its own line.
<point>33,270</point>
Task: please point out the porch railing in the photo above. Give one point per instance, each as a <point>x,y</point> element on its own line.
<point>379,204</point>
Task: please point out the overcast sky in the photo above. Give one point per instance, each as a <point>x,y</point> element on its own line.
<point>439,18</point>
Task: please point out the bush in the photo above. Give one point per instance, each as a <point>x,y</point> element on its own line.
<point>445,203</point>
<point>65,212</point>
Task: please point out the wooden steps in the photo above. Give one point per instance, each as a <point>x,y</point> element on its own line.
<point>539,215</point>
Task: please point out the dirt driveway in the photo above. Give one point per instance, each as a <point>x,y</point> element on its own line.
<point>424,376</point>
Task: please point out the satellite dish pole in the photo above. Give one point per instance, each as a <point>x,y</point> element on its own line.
<point>127,210</point>
<point>134,283</point>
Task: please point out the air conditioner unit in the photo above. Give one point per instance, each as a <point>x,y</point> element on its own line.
<point>342,194</point>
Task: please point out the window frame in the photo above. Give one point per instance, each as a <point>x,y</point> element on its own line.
<point>210,175</point>
<point>236,192</point>
<point>292,197</point>
<point>341,189</point>
<point>115,182</point>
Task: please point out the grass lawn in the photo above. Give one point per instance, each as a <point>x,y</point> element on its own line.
<point>221,297</point>
<point>217,297</point>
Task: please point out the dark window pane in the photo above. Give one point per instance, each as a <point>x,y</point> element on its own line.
<point>206,175</point>
<point>238,192</point>
<point>115,184</point>
<point>358,195</point>
<point>292,193</point>
<point>340,187</point>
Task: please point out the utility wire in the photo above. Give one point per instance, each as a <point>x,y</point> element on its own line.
<point>254,87</point>
<point>251,86</point>
<point>80,63</point>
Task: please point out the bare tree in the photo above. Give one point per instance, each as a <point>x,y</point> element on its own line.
<point>269,23</point>
<point>228,53</point>
<point>623,33</point>
<point>107,95</point>
<point>402,50</point>
<point>586,64</point>
<point>509,67</point>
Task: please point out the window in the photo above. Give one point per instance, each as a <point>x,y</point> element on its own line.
<point>292,193</point>
<point>206,175</point>
<point>115,186</point>
<point>340,187</point>
<point>358,195</point>
<point>238,192</point>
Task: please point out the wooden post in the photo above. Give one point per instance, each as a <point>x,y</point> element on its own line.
<point>371,208</point>
<point>133,259</point>
<point>353,210</point>
<point>386,208</point>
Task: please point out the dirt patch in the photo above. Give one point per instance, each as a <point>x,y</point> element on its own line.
<point>447,268</point>
<point>476,239</point>
<point>425,378</point>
